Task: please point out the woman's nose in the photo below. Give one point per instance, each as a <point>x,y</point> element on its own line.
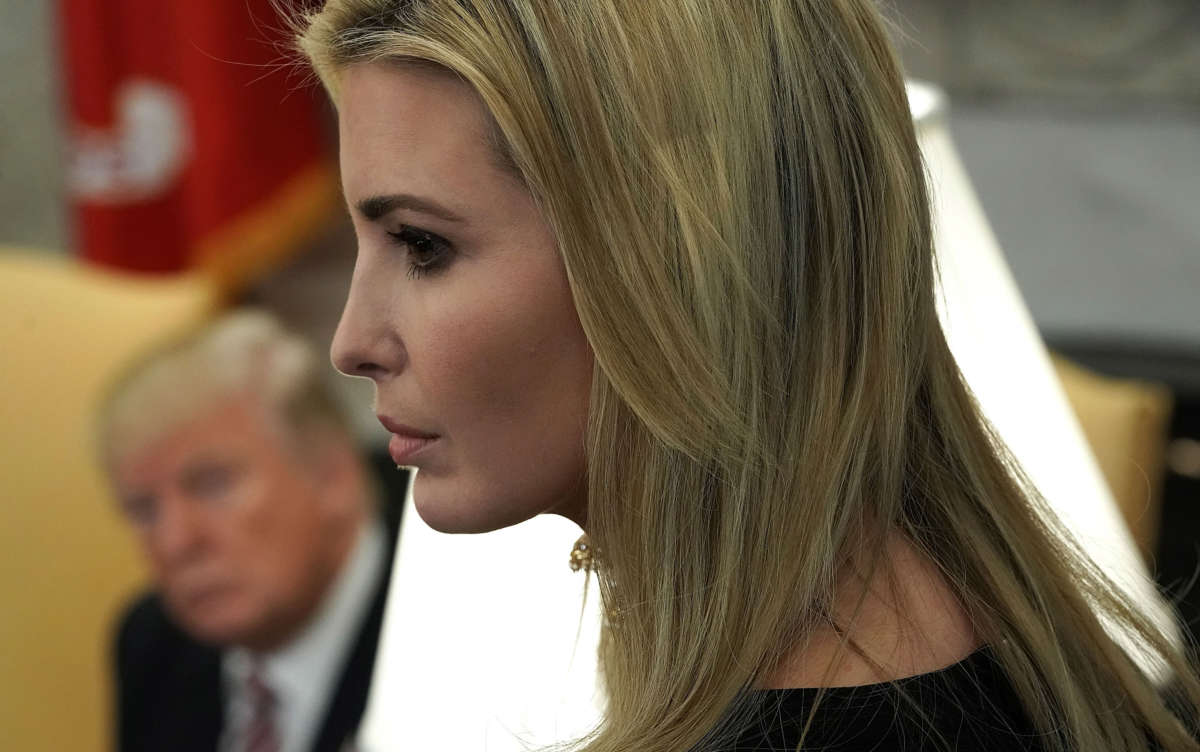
<point>367,342</point>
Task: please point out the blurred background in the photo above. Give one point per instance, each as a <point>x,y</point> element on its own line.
<point>156,170</point>
<point>1079,124</point>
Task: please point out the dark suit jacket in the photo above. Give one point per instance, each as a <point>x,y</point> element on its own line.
<point>169,693</point>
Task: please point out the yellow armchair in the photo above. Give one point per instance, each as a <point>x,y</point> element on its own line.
<point>1126,422</point>
<point>68,564</point>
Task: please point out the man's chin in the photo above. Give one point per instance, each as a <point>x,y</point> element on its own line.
<point>216,625</point>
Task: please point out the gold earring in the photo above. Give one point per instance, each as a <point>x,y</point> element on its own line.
<point>583,555</point>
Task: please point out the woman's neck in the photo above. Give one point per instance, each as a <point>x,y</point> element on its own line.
<point>915,627</point>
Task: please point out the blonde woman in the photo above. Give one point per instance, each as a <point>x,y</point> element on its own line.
<point>665,267</point>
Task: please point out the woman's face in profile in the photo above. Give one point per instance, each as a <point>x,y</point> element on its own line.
<point>459,309</point>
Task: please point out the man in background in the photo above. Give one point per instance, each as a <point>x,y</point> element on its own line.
<point>270,556</point>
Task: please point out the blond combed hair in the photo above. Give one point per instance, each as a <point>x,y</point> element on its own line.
<point>243,355</point>
<point>741,208</point>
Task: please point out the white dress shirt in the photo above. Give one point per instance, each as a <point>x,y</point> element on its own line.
<point>302,674</point>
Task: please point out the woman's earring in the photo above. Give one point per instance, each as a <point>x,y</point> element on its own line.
<point>583,555</point>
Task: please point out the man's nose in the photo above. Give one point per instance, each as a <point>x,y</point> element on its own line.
<point>177,532</point>
<point>367,341</point>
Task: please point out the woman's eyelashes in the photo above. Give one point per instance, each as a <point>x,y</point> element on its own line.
<point>427,252</point>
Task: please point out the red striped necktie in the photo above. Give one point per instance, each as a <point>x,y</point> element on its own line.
<point>261,733</point>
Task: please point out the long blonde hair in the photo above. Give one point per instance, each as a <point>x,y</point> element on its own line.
<point>741,208</point>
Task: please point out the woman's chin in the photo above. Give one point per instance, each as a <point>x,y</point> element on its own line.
<point>438,519</point>
<point>462,513</point>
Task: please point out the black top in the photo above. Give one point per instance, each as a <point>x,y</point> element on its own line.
<point>970,704</point>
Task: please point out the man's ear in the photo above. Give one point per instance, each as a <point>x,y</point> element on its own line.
<point>338,470</point>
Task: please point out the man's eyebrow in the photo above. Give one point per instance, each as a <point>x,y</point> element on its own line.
<point>374,207</point>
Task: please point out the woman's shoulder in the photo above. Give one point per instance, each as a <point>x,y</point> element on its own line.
<point>968,705</point>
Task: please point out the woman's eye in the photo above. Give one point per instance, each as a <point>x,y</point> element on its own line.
<point>426,252</point>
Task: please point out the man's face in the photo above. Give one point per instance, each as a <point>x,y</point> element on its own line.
<point>237,528</point>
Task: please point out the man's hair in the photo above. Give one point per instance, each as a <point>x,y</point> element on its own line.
<point>247,354</point>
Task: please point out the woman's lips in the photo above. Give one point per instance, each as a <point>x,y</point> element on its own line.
<point>403,446</point>
<point>406,440</point>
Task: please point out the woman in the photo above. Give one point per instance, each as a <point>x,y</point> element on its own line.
<point>665,267</point>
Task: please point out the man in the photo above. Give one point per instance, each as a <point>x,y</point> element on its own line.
<point>270,558</point>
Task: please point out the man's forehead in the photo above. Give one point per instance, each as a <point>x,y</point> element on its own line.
<point>232,423</point>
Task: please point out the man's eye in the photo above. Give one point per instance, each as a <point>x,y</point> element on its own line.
<point>426,252</point>
<point>210,481</point>
<point>140,510</point>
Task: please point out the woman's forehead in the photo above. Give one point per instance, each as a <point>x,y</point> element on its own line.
<point>410,129</point>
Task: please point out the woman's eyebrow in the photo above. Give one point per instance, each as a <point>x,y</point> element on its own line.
<point>374,207</point>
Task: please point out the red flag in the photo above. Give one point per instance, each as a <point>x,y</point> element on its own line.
<point>190,143</point>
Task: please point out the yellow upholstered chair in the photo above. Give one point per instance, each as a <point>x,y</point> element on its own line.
<point>68,563</point>
<point>1126,422</point>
